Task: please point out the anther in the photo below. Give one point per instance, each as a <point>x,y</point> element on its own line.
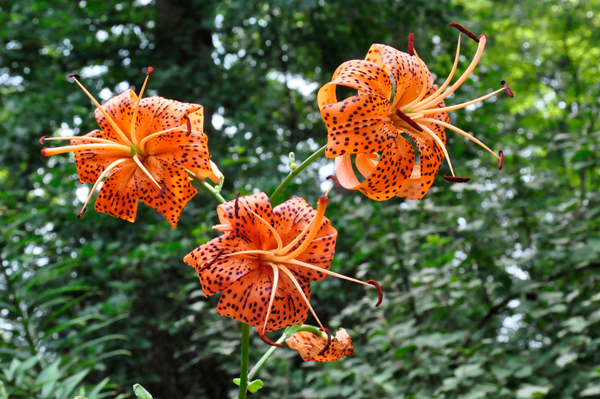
<point>507,89</point>
<point>407,119</point>
<point>267,340</point>
<point>464,30</point>
<point>326,347</point>
<point>379,291</point>
<point>500,160</point>
<point>336,181</point>
<point>163,187</point>
<point>149,70</point>
<point>189,125</point>
<point>212,262</point>
<point>236,205</point>
<point>411,44</point>
<point>43,138</point>
<point>81,212</point>
<point>72,75</point>
<point>455,179</point>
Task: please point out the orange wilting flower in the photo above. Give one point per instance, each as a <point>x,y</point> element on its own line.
<point>370,124</point>
<point>145,145</point>
<point>321,347</point>
<point>265,260</point>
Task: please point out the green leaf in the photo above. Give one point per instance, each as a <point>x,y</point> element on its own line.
<point>255,386</point>
<point>141,392</point>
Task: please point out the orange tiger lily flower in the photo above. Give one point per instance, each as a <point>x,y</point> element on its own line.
<point>265,260</point>
<point>145,145</point>
<point>370,124</point>
<point>321,347</point>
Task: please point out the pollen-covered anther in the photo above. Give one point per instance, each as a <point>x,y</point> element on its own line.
<point>43,138</point>
<point>408,120</point>
<point>81,212</point>
<point>379,291</point>
<point>455,179</point>
<point>500,160</point>
<point>72,76</point>
<point>189,125</point>
<point>163,187</point>
<point>507,89</point>
<point>212,262</point>
<point>262,336</point>
<point>326,347</point>
<point>464,30</point>
<point>149,70</point>
<point>411,44</point>
<point>335,181</point>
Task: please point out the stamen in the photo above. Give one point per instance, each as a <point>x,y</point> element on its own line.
<point>301,292</point>
<point>459,106</point>
<point>507,89</point>
<point>110,120</point>
<point>47,152</point>
<point>44,138</point>
<point>236,205</point>
<point>145,139</point>
<point>315,227</point>
<point>143,168</point>
<point>273,292</point>
<point>463,77</point>
<point>424,82</point>
<point>326,271</point>
<point>162,190</point>
<point>408,120</point>
<point>189,125</point>
<point>137,106</point>
<point>223,227</point>
<point>411,44</point>
<point>296,240</point>
<point>448,79</point>
<point>500,160</point>
<point>83,138</point>
<point>454,179</point>
<point>98,180</point>
<point>271,229</point>
<point>459,131</point>
<point>464,30</point>
<point>440,144</point>
<point>336,181</point>
<point>212,262</point>
<point>326,331</point>
<point>262,336</point>
<point>379,291</point>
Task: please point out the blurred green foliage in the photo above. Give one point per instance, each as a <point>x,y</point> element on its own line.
<point>491,286</point>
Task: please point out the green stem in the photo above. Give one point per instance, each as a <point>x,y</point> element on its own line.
<point>295,173</point>
<point>244,362</point>
<point>208,187</point>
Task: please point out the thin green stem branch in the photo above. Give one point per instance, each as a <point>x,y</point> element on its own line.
<point>244,363</point>
<point>295,173</point>
<point>208,187</point>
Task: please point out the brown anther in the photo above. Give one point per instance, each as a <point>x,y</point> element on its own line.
<point>189,125</point>
<point>500,160</point>
<point>411,44</point>
<point>163,187</point>
<point>407,119</point>
<point>262,336</point>
<point>455,179</point>
<point>326,347</point>
<point>43,138</point>
<point>212,262</point>
<point>336,181</point>
<point>379,291</point>
<point>507,89</point>
<point>80,214</point>
<point>149,70</point>
<point>236,205</point>
<point>464,30</point>
<point>72,75</point>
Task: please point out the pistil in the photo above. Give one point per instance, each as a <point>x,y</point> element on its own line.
<point>135,111</point>
<point>47,152</point>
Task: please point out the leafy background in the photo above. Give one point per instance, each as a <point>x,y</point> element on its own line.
<point>491,286</point>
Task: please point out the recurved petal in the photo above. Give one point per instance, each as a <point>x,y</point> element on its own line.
<point>364,76</point>
<point>357,124</point>
<point>246,225</point>
<point>118,196</point>
<point>384,178</point>
<point>175,191</point>
<point>309,345</point>
<point>247,300</point>
<point>120,109</point>
<point>90,164</point>
<point>430,158</point>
